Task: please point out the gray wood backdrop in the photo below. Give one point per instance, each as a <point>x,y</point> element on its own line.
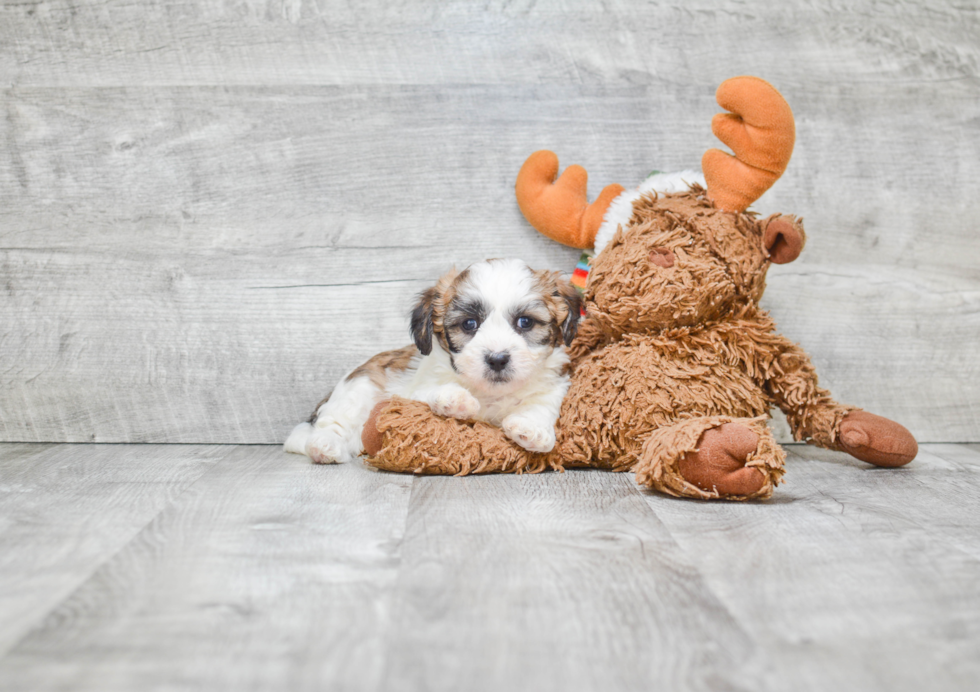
<point>209,210</point>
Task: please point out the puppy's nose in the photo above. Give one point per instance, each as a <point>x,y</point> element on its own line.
<point>497,361</point>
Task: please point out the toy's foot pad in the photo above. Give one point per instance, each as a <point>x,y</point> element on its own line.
<point>371,439</point>
<point>876,440</point>
<point>718,464</point>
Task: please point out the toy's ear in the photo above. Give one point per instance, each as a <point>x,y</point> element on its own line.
<point>573,301</point>
<point>783,238</point>
<point>421,325</point>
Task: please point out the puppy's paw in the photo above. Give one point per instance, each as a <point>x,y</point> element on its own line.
<point>455,402</point>
<point>529,433</point>
<point>325,447</point>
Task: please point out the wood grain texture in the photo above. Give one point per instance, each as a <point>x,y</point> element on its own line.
<point>66,510</point>
<point>269,573</point>
<point>163,42</point>
<point>249,569</point>
<point>551,582</point>
<point>852,576</point>
<point>210,211</point>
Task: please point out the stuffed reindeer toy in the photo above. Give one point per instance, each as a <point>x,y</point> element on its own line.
<point>675,364</point>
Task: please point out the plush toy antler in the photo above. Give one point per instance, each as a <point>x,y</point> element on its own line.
<point>560,209</point>
<point>761,132</point>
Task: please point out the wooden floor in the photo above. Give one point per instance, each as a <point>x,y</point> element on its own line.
<point>171,567</point>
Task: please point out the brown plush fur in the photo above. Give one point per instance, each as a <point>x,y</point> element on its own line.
<point>674,345</point>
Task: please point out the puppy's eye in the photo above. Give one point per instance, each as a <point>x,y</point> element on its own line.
<point>525,322</point>
<point>469,325</point>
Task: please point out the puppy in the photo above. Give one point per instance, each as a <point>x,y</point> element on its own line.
<point>489,345</point>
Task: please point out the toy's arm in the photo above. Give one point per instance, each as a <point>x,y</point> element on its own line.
<point>815,417</point>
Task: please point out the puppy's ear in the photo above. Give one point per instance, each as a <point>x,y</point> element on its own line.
<point>421,325</point>
<point>573,301</point>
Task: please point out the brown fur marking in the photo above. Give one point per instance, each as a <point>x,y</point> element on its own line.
<point>447,288</point>
<point>563,303</point>
<point>560,298</point>
<point>376,368</point>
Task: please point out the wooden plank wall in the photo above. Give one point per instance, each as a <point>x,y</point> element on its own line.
<point>209,210</point>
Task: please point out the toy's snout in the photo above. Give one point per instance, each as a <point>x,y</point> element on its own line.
<point>662,257</point>
<point>784,238</point>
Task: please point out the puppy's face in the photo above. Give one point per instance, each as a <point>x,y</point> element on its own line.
<point>498,320</point>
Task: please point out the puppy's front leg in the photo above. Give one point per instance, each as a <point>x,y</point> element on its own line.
<point>452,401</point>
<point>532,427</point>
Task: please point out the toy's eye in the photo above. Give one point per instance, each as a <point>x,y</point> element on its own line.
<point>525,322</point>
<point>470,325</point>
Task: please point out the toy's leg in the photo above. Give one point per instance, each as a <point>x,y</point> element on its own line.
<point>712,458</point>
<point>865,436</point>
<point>405,436</point>
<point>814,416</point>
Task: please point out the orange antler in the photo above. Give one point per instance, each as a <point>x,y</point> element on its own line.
<point>760,130</point>
<point>560,209</point>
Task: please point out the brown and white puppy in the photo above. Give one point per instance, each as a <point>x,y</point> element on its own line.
<point>489,345</point>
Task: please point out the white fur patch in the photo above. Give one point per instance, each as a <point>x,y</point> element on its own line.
<point>620,211</point>
<point>296,442</point>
